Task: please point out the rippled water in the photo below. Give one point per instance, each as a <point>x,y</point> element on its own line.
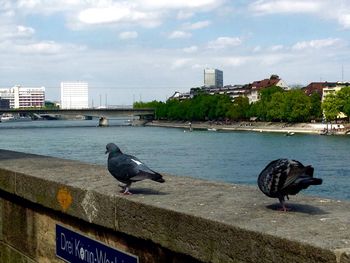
<point>235,157</point>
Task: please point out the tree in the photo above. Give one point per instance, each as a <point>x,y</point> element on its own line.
<point>261,107</point>
<point>316,108</point>
<point>239,109</point>
<point>222,106</point>
<point>330,106</point>
<point>297,106</point>
<point>343,97</point>
<point>276,107</point>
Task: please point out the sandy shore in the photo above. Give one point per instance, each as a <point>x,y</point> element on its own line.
<point>287,128</point>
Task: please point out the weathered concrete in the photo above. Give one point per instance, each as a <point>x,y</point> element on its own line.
<point>208,221</point>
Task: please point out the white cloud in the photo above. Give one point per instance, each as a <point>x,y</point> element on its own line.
<point>128,35</point>
<point>285,6</point>
<point>181,62</point>
<point>276,48</point>
<point>317,44</point>
<point>15,47</point>
<point>44,47</point>
<point>257,49</point>
<point>8,31</point>
<point>25,31</point>
<point>47,7</point>
<point>320,8</point>
<point>225,42</point>
<point>234,61</point>
<point>197,25</point>
<point>84,13</point>
<point>190,49</point>
<point>344,20</point>
<point>179,34</point>
<point>180,4</point>
<point>181,15</point>
<point>117,13</point>
<point>274,59</point>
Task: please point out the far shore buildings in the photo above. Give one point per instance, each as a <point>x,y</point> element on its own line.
<point>4,104</point>
<point>251,90</point>
<point>74,95</point>
<point>22,97</point>
<point>213,78</point>
<point>324,88</point>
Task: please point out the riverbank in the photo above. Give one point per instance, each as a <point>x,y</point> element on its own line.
<point>287,128</point>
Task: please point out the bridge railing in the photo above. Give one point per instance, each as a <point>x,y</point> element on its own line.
<point>85,112</point>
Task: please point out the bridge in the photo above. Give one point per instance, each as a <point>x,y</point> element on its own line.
<point>107,113</point>
<point>103,114</point>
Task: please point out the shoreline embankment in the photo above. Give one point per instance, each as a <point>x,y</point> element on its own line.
<point>287,128</point>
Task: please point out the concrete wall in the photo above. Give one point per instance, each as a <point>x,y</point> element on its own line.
<point>182,220</point>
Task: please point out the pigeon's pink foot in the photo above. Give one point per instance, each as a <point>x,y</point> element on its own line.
<point>284,209</point>
<point>126,191</point>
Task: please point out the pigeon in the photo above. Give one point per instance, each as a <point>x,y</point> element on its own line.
<point>283,177</point>
<point>128,169</point>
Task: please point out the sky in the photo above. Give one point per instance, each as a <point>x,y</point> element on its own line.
<point>147,49</point>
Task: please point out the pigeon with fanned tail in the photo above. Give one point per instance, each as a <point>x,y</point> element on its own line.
<point>128,169</point>
<point>283,177</point>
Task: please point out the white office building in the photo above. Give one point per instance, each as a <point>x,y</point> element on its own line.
<point>24,97</point>
<point>74,95</point>
<point>213,78</point>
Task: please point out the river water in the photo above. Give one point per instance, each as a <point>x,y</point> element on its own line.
<point>234,157</point>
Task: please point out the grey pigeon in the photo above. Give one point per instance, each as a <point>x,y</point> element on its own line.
<point>128,169</point>
<point>283,177</point>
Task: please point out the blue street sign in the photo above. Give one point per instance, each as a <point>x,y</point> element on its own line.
<point>75,248</point>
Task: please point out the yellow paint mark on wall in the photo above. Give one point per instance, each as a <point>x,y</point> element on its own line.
<point>64,198</point>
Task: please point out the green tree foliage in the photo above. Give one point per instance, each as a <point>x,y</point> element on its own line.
<point>297,106</point>
<point>316,107</point>
<point>275,104</point>
<point>239,109</point>
<point>275,108</point>
<point>343,99</point>
<point>330,107</point>
<point>50,105</point>
<point>261,109</point>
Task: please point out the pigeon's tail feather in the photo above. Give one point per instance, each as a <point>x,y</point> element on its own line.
<point>310,181</point>
<point>158,178</point>
<point>309,170</point>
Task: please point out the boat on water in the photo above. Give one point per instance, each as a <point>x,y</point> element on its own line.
<point>212,129</point>
<point>6,117</point>
<point>289,133</point>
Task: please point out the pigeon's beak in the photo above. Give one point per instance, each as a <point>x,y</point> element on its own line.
<point>106,151</point>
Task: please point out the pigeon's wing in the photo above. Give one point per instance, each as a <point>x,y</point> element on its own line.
<point>142,171</point>
<point>300,177</point>
<point>272,178</point>
<point>122,167</point>
<point>296,171</point>
<point>127,168</point>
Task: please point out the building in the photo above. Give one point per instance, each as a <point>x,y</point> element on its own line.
<point>8,94</point>
<point>256,86</point>
<point>213,78</point>
<point>332,89</point>
<point>181,96</point>
<point>24,97</point>
<point>251,91</point>
<point>74,95</point>
<point>29,97</point>
<point>317,87</point>
<point>4,104</point>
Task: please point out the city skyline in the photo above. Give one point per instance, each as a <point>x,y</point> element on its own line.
<point>132,50</point>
